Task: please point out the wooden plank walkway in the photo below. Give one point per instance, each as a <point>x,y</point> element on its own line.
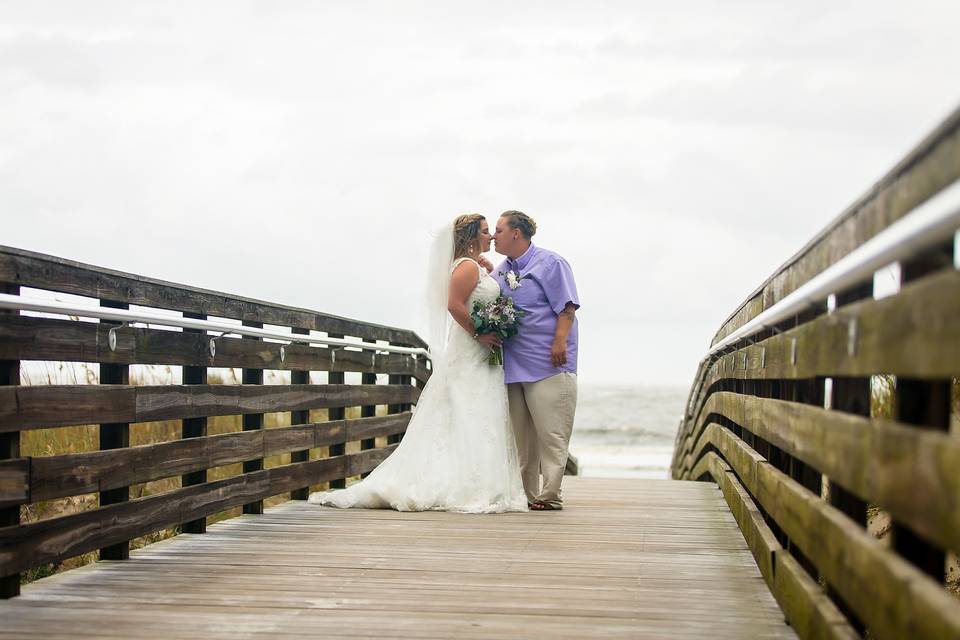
<point>625,559</point>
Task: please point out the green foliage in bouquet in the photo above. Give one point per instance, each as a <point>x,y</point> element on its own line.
<point>500,317</point>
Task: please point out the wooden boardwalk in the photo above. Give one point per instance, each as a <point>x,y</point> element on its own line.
<point>625,559</point>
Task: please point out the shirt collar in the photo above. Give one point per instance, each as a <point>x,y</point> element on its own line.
<point>522,261</point>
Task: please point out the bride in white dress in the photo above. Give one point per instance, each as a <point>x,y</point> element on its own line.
<point>458,453</point>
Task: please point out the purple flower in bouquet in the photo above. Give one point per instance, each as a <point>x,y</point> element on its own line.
<point>500,317</point>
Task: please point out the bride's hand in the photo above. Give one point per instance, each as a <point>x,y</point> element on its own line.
<point>485,263</point>
<point>489,340</point>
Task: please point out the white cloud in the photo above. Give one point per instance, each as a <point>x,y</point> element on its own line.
<point>676,154</point>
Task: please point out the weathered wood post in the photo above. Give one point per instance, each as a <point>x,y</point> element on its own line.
<point>925,404</point>
<point>806,391</point>
<point>114,435</point>
<point>850,394</point>
<point>298,376</point>
<point>10,448</point>
<point>195,427</point>
<point>336,413</point>
<point>404,379</point>
<point>253,421</point>
<point>394,379</point>
<point>368,410</point>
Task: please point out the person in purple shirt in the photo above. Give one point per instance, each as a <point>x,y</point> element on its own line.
<point>539,363</point>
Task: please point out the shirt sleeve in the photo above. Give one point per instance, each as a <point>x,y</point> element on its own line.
<point>560,286</point>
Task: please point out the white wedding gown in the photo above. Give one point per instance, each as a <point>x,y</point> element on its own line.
<point>458,453</point>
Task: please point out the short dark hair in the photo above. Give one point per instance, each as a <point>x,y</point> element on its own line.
<point>520,220</point>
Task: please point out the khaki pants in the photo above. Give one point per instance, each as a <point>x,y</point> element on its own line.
<point>542,416</point>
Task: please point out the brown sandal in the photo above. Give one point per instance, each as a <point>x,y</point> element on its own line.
<point>545,506</point>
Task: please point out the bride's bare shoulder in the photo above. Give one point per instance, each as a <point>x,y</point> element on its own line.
<point>464,276</point>
<point>465,264</point>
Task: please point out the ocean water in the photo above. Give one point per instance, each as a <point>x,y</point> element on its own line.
<point>626,431</point>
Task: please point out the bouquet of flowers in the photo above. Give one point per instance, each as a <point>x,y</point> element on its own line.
<point>499,317</point>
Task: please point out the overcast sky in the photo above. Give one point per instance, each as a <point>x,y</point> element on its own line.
<point>300,152</point>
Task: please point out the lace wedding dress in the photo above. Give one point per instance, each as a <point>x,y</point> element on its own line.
<point>458,453</point>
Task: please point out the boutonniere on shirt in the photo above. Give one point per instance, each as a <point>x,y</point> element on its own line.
<point>513,280</point>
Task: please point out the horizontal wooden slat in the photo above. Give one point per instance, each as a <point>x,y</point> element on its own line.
<point>40,271</point>
<point>32,407</point>
<point>806,607</point>
<point>913,333</point>
<point>26,546</point>
<point>368,428</point>
<point>50,339</point>
<point>67,475</point>
<point>812,613</point>
<point>933,165</point>
<point>368,460</point>
<point>892,597</point>
<point>14,481</point>
<point>721,402</point>
<point>910,472</point>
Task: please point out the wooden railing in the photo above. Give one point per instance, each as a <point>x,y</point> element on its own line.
<point>789,423</point>
<point>317,449</point>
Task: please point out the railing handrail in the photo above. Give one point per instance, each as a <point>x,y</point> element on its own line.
<point>824,407</point>
<point>891,197</point>
<point>52,273</point>
<point>23,303</point>
<point>189,454</point>
<point>927,225</point>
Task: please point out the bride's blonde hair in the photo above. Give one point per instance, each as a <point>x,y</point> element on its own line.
<point>466,228</point>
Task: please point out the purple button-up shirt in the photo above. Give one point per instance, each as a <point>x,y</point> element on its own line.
<point>546,286</point>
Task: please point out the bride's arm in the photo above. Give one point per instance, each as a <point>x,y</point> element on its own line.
<point>462,283</point>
